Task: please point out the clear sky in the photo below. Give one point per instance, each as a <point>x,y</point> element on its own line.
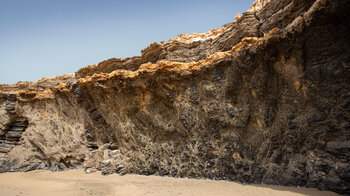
<point>41,38</point>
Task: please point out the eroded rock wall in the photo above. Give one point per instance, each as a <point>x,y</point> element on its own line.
<point>270,105</point>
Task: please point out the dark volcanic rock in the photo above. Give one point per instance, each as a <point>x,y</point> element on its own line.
<point>264,99</point>
<point>4,165</point>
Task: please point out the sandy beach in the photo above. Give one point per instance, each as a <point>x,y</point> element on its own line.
<point>76,182</point>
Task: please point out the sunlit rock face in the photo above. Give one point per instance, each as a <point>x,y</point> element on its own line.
<point>264,99</point>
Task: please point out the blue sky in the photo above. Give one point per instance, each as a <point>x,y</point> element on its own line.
<point>41,38</point>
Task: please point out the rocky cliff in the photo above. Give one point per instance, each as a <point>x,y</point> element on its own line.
<point>264,99</point>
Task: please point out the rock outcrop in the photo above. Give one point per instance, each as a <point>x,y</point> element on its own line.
<point>264,99</point>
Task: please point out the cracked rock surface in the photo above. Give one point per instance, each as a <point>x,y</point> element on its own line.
<point>264,99</point>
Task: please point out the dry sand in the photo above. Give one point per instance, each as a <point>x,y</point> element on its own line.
<point>76,182</point>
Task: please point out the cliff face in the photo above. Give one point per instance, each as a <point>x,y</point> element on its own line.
<point>264,99</point>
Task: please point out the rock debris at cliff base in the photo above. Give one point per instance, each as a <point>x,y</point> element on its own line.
<point>264,99</point>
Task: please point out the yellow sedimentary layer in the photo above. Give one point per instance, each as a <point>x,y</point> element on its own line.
<point>161,66</point>
<point>170,66</point>
<point>189,38</point>
<point>258,4</point>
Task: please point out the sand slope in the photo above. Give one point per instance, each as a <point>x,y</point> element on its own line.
<point>76,182</point>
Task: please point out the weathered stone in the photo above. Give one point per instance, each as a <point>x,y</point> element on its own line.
<point>4,165</point>
<point>262,99</point>
<point>12,97</point>
<point>90,170</point>
<point>20,122</point>
<point>10,142</point>
<point>5,150</point>
<point>17,129</point>
<point>10,106</point>
<point>30,167</point>
<point>106,167</point>
<point>13,134</point>
<point>338,146</point>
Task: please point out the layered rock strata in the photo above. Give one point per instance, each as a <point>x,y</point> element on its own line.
<point>264,99</point>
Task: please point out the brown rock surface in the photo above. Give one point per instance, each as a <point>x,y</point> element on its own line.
<point>264,99</point>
